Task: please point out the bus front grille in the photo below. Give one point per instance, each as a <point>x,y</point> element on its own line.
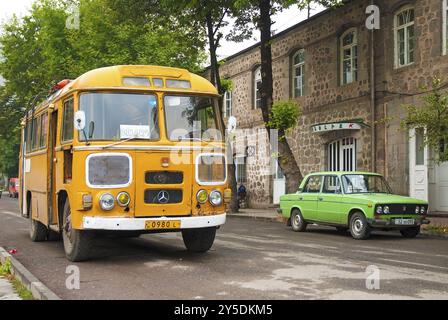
<point>157,196</point>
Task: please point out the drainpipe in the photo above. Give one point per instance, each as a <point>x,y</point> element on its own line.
<point>372,97</point>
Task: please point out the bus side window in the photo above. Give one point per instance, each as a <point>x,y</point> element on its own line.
<point>67,121</point>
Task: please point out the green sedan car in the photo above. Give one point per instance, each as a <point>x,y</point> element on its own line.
<point>355,201</point>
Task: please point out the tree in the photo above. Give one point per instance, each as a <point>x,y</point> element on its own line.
<point>432,116</point>
<point>38,51</point>
<point>260,12</point>
<point>211,16</point>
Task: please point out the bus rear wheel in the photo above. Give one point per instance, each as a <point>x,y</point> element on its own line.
<point>38,231</point>
<point>199,240</point>
<point>77,243</point>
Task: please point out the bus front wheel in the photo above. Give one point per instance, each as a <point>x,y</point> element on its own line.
<point>199,240</point>
<point>77,243</point>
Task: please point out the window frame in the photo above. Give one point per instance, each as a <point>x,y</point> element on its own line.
<point>257,78</point>
<point>342,48</point>
<point>294,67</point>
<point>338,180</point>
<point>237,165</point>
<point>404,27</point>
<point>64,103</point>
<point>308,180</point>
<point>444,27</point>
<point>227,112</point>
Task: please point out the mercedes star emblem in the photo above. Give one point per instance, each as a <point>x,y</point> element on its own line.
<point>163,196</point>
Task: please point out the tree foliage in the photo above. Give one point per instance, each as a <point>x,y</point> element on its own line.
<point>284,115</point>
<point>39,50</point>
<point>433,116</point>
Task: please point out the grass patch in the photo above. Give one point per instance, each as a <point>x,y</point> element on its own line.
<point>19,288</point>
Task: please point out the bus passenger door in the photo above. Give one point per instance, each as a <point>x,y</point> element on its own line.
<point>51,179</point>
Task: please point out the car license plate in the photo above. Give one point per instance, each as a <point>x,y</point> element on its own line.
<point>404,222</point>
<point>162,225</point>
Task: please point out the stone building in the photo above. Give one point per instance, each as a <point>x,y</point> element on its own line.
<point>347,80</point>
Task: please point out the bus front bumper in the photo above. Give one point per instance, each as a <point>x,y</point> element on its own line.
<point>137,224</point>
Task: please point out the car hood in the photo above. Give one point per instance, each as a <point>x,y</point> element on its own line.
<point>383,198</point>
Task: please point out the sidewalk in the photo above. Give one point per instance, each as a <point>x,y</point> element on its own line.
<point>7,291</point>
<point>272,215</point>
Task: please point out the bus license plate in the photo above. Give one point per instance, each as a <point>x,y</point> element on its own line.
<point>404,222</point>
<point>162,225</point>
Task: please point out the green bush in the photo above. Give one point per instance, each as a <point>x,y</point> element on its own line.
<point>284,115</point>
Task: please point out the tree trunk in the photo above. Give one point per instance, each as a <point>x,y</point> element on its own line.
<point>216,80</point>
<point>286,159</point>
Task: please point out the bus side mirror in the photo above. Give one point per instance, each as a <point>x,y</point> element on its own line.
<point>231,125</point>
<point>80,120</point>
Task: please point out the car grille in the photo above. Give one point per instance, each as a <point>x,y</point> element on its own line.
<point>157,196</point>
<point>403,208</point>
<point>164,177</point>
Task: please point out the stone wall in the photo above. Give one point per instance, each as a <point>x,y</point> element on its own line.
<point>326,100</point>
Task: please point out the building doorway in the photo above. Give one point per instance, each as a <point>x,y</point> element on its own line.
<point>279,185</point>
<point>342,155</point>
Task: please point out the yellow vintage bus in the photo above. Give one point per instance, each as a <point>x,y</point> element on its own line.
<point>127,150</point>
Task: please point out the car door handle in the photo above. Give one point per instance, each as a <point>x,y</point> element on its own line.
<point>320,199</point>
<point>301,198</point>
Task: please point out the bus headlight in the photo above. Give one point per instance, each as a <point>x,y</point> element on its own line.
<point>123,199</point>
<point>215,198</point>
<point>107,202</point>
<point>202,196</point>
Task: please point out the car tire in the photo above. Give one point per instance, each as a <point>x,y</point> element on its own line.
<point>38,231</point>
<point>410,232</point>
<point>199,240</point>
<point>77,243</point>
<point>359,227</point>
<point>297,222</point>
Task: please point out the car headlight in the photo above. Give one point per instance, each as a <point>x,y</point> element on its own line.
<point>123,199</point>
<point>215,198</point>
<point>422,210</point>
<point>386,209</point>
<point>417,209</point>
<point>202,196</point>
<point>107,202</point>
<point>379,209</point>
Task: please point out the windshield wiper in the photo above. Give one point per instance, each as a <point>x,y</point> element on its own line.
<point>120,142</point>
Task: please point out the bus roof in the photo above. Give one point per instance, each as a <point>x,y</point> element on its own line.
<point>112,77</point>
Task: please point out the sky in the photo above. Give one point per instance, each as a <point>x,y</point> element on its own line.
<point>285,19</point>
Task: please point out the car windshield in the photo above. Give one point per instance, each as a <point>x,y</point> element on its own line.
<point>119,116</point>
<point>364,183</point>
<point>192,118</point>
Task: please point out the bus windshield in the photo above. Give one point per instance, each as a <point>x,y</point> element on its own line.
<point>118,116</point>
<point>191,118</point>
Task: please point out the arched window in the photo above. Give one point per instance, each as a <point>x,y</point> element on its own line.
<point>257,87</point>
<point>298,73</point>
<point>349,56</point>
<point>227,103</point>
<point>404,37</point>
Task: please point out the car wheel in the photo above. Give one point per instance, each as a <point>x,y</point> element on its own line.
<point>297,222</point>
<point>199,240</point>
<point>359,227</point>
<point>77,243</point>
<point>410,232</point>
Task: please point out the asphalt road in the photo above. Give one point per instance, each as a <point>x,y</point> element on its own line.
<point>250,260</point>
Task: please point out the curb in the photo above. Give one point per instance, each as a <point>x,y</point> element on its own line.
<point>37,288</point>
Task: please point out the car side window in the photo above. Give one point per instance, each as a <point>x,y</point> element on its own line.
<point>331,185</point>
<point>313,184</point>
